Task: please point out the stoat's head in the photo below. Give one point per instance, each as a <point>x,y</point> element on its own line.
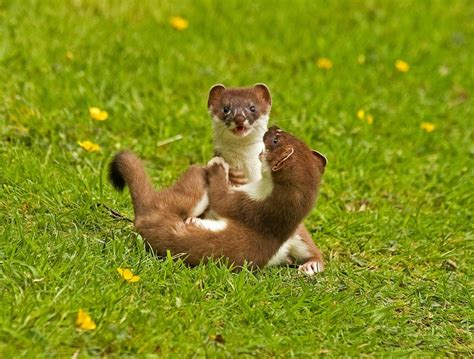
<point>290,158</point>
<point>239,111</point>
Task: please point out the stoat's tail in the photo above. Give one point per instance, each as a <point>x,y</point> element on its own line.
<point>127,169</point>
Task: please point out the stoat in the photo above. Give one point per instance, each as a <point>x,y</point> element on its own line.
<point>250,231</point>
<point>239,119</point>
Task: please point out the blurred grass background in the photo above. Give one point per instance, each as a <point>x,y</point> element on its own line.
<point>394,218</point>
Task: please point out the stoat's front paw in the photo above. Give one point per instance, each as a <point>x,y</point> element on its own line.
<point>219,161</point>
<point>237,178</point>
<point>311,267</point>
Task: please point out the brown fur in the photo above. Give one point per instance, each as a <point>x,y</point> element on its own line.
<point>238,100</point>
<point>255,230</point>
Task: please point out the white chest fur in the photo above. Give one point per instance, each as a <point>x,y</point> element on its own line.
<point>258,190</point>
<point>241,153</point>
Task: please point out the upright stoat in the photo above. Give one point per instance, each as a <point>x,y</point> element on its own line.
<point>239,119</point>
<point>251,231</point>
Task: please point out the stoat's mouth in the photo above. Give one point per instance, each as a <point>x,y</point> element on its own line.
<point>240,131</point>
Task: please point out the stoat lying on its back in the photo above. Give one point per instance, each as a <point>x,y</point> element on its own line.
<point>239,119</point>
<point>250,231</point>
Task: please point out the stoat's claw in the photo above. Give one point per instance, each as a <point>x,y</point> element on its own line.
<point>237,178</point>
<point>311,267</point>
<point>191,220</point>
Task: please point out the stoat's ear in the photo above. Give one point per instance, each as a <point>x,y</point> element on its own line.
<point>214,94</point>
<point>321,157</point>
<point>263,92</point>
<point>281,162</point>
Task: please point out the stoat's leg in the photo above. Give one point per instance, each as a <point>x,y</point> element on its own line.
<point>219,161</point>
<point>224,201</point>
<point>189,193</point>
<point>304,250</point>
<point>200,207</point>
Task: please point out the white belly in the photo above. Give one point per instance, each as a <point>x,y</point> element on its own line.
<point>244,159</point>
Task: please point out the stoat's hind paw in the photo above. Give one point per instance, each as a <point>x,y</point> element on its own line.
<point>311,267</point>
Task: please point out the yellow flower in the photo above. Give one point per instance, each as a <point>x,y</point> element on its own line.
<point>361,115</point>
<point>89,146</point>
<point>324,63</point>
<point>402,66</point>
<point>361,59</point>
<point>97,114</point>
<point>128,275</point>
<point>84,321</point>
<point>69,55</point>
<point>179,23</point>
<point>427,126</point>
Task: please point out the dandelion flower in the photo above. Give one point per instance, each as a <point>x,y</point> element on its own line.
<point>84,321</point>
<point>127,275</point>
<point>89,146</point>
<point>361,59</point>
<point>361,115</point>
<point>402,66</point>
<point>324,63</point>
<point>179,23</point>
<point>97,114</point>
<point>427,126</point>
<point>69,55</point>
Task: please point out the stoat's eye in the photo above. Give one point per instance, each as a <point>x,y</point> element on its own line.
<point>252,109</point>
<point>275,140</point>
<point>226,109</point>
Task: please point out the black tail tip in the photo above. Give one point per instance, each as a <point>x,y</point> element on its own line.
<point>115,175</point>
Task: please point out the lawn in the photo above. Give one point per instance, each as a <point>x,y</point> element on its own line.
<point>394,217</point>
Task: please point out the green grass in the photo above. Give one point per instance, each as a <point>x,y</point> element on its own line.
<point>394,218</point>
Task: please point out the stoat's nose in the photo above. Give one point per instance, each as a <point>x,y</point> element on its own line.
<point>239,120</point>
